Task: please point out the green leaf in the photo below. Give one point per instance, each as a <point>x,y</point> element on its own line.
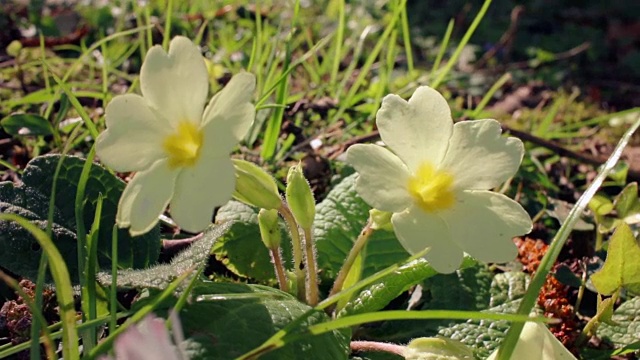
<point>627,318</point>
<point>466,289</point>
<point>626,203</point>
<point>241,249</point>
<point>160,276</point>
<point>241,317</point>
<point>379,294</point>
<point>600,205</point>
<point>20,254</point>
<point>565,275</point>
<point>133,252</point>
<point>26,124</point>
<point>339,219</point>
<point>621,267</point>
<point>507,287</point>
<point>483,336</point>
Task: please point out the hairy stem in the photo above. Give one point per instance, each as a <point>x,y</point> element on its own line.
<point>296,244</point>
<point>276,259</point>
<point>358,245</point>
<point>312,272</point>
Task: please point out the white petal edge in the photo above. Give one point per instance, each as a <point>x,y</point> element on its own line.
<point>199,190</point>
<point>229,114</point>
<point>537,342</point>
<point>134,135</point>
<point>175,84</point>
<point>417,130</point>
<point>417,230</point>
<point>479,157</point>
<point>483,224</point>
<point>383,178</point>
<point>145,198</point>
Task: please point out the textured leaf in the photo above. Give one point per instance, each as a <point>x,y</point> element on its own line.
<point>136,252</point>
<point>621,267</point>
<point>240,249</point>
<point>466,289</point>
<point>378,295</point>
<point>627,318</point>
<point>626,203</point>
<point>484,336</point>
<point>508,286</point>
<point>227,326</point>
<point>339,220</point>
<point>18,251</point>
<point>26,124</point>
<point>160,276</point>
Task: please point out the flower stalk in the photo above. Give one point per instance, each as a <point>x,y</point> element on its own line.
<point>312,272</point>
<point>296,244</point>
<point>358,245</point>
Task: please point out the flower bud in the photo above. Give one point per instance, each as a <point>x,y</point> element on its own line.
<point>269,228</point>
<point>437,349</point>
<point>380,220</point>
<point>255,187</point>
<point>300,198</point>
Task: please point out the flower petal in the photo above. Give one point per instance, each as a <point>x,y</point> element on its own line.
<point>417,130</point>
<point>145,198</point>
<point>133,139</point>
<point>417,230</point>
<point>479,158</point>
<point>383,177</point>
<point>229,114</point>
<point>175,84</point>
<point>483,224</point>
<point>195,198</point>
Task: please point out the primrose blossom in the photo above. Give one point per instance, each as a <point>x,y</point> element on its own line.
<point>149,340</point>
<point>436,181</point>
<point>179,149</point>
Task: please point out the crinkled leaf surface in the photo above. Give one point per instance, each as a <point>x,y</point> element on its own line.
<point>241,249</point>
<point>484,336</point>
<point>20,254</point>
<point>508,286</point>
<point>241,317</point>
<point>160,276</point>
<point>627,318</point>
<point>466,289</point>
<point>339,220</point>
<point>621,267</point>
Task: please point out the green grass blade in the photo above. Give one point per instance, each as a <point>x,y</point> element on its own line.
<point>64,290</point>
<point>465,40</point>
<point>366,68</point>
<point>406,38</point>
<point>443,47</point>
<point>359,319</point>
<point>337,51</point>
<point>529,300</point>
<point>139,315</point>
<point>487,97</point>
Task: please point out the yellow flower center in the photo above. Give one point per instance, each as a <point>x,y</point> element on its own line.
<point>183,146</point>
<point>432,189</point>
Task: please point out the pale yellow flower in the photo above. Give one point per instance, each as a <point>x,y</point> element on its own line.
<point>536,342</point>
<point>435,181</point>
<point>179,149</point>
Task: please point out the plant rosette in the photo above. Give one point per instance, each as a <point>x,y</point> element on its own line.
<point>436,181</point>
<point>177,149</point>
